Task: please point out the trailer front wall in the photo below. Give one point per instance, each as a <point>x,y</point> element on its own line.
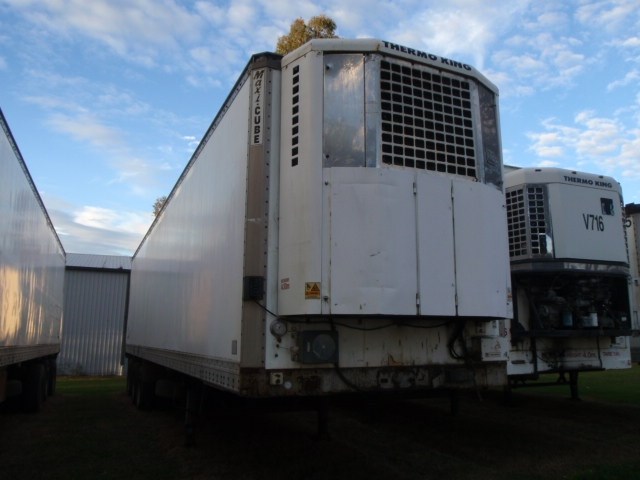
<point>583,228</point>
<point>374,203</point>
<point>31,263</point>
<point>570,272</point>
<point>389,233</point>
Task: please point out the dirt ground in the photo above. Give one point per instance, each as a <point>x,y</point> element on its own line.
<point>101,435</point>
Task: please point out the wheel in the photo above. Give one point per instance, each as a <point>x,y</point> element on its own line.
<point>132,379</point>
<point>143,395</point>
<point>34,387</point>
<point>52,380</point>
<point>129,381</point>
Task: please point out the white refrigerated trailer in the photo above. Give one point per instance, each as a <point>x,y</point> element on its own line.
<point>341,227</point>
<point>570,274</point>
<point>632,211</point>
<point>32,262</point>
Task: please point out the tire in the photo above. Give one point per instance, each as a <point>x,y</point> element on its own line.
<point>53,378</point>
<point>34,387</point>
<point>144,395</point>
<point>131,378</point>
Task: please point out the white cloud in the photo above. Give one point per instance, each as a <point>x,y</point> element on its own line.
<point>550,143</point>
<point>538,49</point>
<point>610,15</point>
<point>548,164</point>
<point>631,42</point>
<point>115,124</point>
<point>556,43</point>
<point>557,53</point>
<point>211,12</point>
<point>604,142</point>
<point>108,219</point>
<point>192,142</point>
<point>54,102</point>
<point>599,136</point>
<point>113,99</point>
<point>87,128</point>
<point>289,10</point>
<point>95,217</point>
<point>550,19</point>
<point>205,57</point>
<point>629,159</point>
<point>141,178</point>
<point>241,13</point>
<point>468,35</point>
<point>97,230</point>
<point>166,167</point>
<point>55,80</point>
<point>137,29</point>
<point>631,77</point>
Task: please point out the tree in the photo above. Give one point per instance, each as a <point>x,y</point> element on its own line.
<point>158,204</point>
<point>300,33</point>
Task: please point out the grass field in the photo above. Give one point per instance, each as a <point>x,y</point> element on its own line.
<point>618,386</point>
<point>90,430</point>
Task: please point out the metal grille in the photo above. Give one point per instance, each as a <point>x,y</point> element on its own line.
<point>537,220</point>
<point>517,223</point>
<point>426,120</point>
<point>527,224</point>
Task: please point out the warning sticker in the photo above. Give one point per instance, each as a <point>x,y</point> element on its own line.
<point>311,290</point>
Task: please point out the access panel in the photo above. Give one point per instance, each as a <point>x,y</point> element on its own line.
<point>373,268</point>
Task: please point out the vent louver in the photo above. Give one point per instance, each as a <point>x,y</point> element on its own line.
<point>426,120</point>
<point>527,223</point>
<point>295,117</point>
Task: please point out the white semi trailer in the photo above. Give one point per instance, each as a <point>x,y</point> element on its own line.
<point>632,211</point>
<point>32,262</point>
<point>570,274</point>
<point>341,227</point>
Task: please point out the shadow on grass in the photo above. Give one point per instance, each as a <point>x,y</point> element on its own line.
<point>90,429</point>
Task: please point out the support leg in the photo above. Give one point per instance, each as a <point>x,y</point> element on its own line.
<point>573,385</point>
<point>454,402</point>
<point>323,419</point>
<point>507,395</point>
<point>194,395</point>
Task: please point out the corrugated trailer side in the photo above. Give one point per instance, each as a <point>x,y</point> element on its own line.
<point>32,263</point>
<point>194,273</point>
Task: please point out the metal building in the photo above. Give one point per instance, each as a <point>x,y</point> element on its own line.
<point>95,307</point>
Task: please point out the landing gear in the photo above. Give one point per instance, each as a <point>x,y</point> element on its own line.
<point>573,385</point>
<point>322,410</point>
<point>454,402</point>
<point>193,407</point>
<point>34,386</point>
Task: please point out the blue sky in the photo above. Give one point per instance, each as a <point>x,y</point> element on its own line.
<point>107,99</point>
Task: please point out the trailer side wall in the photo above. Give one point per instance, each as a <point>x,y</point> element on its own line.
<point>31,263</point>
<point>207,249</point>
